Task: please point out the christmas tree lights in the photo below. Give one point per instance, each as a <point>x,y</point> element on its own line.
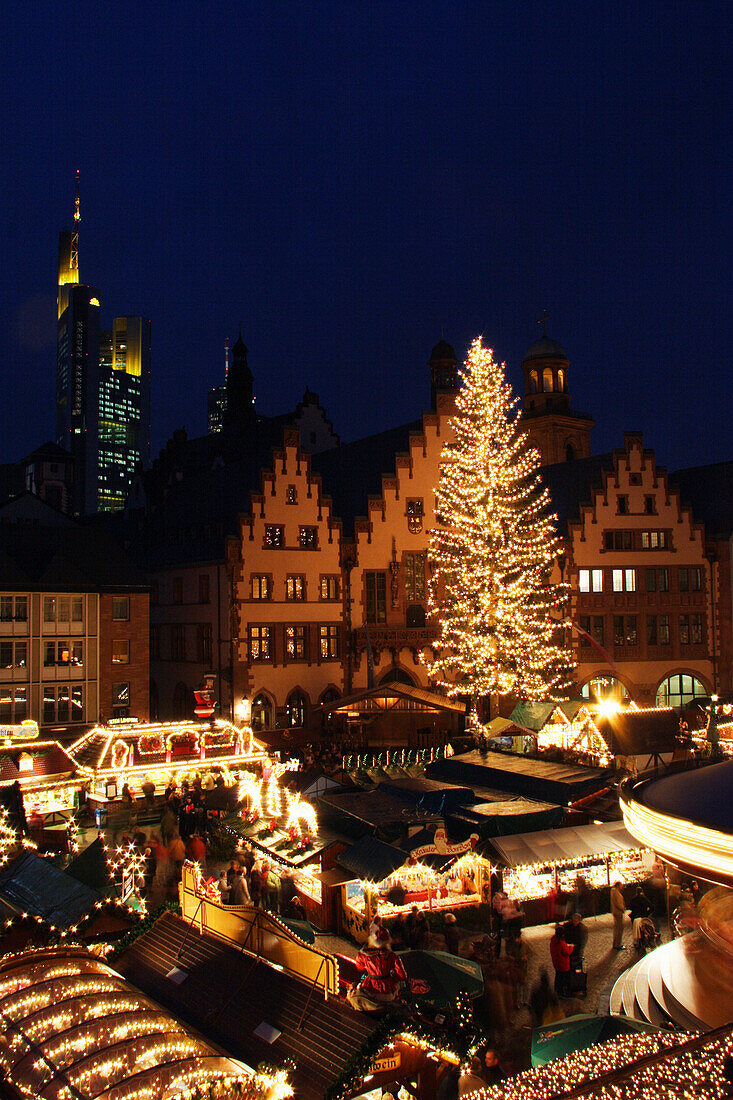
<point>492,551</point>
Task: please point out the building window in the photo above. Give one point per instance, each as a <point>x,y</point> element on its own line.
<point>294,587</point>
<point>178,642</point>
<point>696,629</point>
<point>696,578</point>
<point>590,580</point>
<point>274,536</point>
<point>329,636</point>
<point>678,690</point>
<point>664,634</point>
<point>154,643</point>
<point>598,629</point>
<point>204,588</point>
<point>650,506</point>
<point>684,629</point>
<point>77,609</point>
<point>624,580</point>
<point>329,588</point>
<point>415,512</point>
<point>622,505</point>
<point>651,630</point>
<point>14,608</point>
<point>259,643</point>
<point>297,706</point>
<point>291,495</point>
<point>120,651</point>
<point>375,586</point>
<point>657,580</point>
<point>261,713</point>
<point>260,586</point>
<point>307,538</point>
<point>120,700</point>
<point>120,608</point>
<point>624,630</point>
<point>63,609</point>
<point>654,540</point>
<point>203,643</point>
<point>178,590</point>
<point>62,704</point>
<point>49,609</point>
<point>295,642</point>
<point>13,704</point>
<point>618,540</point>
<point>415,578</point>
<point>585,627</point>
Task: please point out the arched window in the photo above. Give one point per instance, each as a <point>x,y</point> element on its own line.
<point>397,676</point>
<point>561,380</point>
<point>297,705</point>
<point>330,695</point>
<point>569,452</point>
<point>604,687</point>
<point>534,382</point>
<point>415,615</point>
<point>547,381</point>
<point>154,704</point>
<point>678,690</point>
<point>261,713</point>
<point>182,702</point>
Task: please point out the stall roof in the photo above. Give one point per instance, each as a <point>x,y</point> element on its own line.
<point>536,779</point>
<point>372,860</point>
<point>534,715</point>
<point>91,868</point>
<point>50,761</point>
<point>30,884</point>
<point>95,749</point>
<point>386,696</point>
<point>374,809</point>
<point>555,845</point>
<point>506,727</point>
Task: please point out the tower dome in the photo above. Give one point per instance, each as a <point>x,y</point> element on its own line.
<point>544,348</point>
<point>443,370</point>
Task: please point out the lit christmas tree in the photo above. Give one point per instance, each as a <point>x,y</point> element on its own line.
<point>492,551</point>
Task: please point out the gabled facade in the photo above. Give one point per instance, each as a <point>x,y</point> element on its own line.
<point>641,587</point>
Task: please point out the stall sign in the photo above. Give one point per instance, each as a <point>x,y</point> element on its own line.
<point>27,730</point>
<point>441,846</point>
<point>387,1062</point>
<point>110,789</point>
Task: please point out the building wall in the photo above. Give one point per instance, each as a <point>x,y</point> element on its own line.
<point>124,640</point>
<point>635,504</point>
<point>289,604</point>
<point>189,605</point>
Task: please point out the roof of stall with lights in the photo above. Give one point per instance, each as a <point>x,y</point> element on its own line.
<point>74,1025</point>
<point>48,759</point>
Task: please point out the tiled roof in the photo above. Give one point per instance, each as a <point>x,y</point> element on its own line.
<point>48,760</point>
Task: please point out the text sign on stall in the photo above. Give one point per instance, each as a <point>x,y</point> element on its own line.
<point>386,1062</point>
<point>441,846</point>
<point>25,731</point>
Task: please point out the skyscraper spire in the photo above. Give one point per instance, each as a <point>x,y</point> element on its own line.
<point>74,257</point>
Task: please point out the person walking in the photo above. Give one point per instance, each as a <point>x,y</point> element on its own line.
<point>452,936</point>
<point>618,912</point>
<point>177,852</point>
<point>560,953</point>
<point>239,894</point>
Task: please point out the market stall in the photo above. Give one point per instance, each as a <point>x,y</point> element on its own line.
<point>539,866</point>
<point>48,779</point>
<point>138,754</point>
<point>386,881</point>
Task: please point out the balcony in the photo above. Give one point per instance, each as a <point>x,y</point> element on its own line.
<point>395,637</point>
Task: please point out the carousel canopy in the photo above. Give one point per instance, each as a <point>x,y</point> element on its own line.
<point>557,845</point>
<point>73,1027</point>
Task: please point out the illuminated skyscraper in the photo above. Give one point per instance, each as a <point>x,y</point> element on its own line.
<point>102,388</point>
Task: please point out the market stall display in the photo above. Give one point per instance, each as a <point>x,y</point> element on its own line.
<point>48,778</point>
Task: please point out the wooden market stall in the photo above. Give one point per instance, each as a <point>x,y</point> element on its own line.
<point>48,779</point>
<point>535,867</point>
<point>397,714</point>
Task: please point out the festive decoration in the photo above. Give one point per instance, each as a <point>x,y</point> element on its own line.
<point>493,549</point>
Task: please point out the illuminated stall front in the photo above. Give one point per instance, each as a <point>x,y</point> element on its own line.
<point>577,734</point>
<point>48,778</point>
<point>538,866</point>
<point>141,753</point>
<point>387,881</point>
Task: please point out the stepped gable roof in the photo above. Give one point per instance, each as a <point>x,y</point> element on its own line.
<point>30,884</point>
<point>352,472</point>
<point>78,558</point>
<point>708,491</point>
<point>571,484</point>
<point>51,451</point>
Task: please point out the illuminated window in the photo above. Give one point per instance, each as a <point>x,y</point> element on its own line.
<point>260,586</point>
<point>274,536</point>
<point>678,690</point>
<point>297,707</point>
<point>291,496</point>
<point>547,380</point>
<point>295,587</point>
<point>295,642</point>
<point>329,588</point>
<point>120,651</point>
<point>307,538</point>
<point>329,636</point>
<point>590,580</point>
<point>414,577</point>
<point>259,643</point>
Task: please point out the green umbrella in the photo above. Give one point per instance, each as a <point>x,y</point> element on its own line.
<point>439,978</point>
<point>302,928</point>
<point>578,1032</point>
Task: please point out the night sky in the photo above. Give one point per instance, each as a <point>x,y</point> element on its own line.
<point>349,180</point>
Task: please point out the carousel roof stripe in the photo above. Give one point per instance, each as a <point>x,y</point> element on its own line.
<point>72,1048</point>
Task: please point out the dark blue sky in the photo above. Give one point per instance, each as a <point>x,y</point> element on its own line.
<point>348,179</point>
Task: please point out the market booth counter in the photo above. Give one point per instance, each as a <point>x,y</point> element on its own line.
<point>539,866</point>
<point>384,881</point>
<point>135,754</point>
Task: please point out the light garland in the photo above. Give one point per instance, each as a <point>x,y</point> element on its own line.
<point>493,549</point>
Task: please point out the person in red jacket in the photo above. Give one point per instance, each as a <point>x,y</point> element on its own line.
<point>384,974</point>
<point>560,953</point>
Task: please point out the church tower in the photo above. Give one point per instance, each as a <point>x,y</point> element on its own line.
<point>558,432</point>
<point>443,371</point>
<point>240,397</point>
